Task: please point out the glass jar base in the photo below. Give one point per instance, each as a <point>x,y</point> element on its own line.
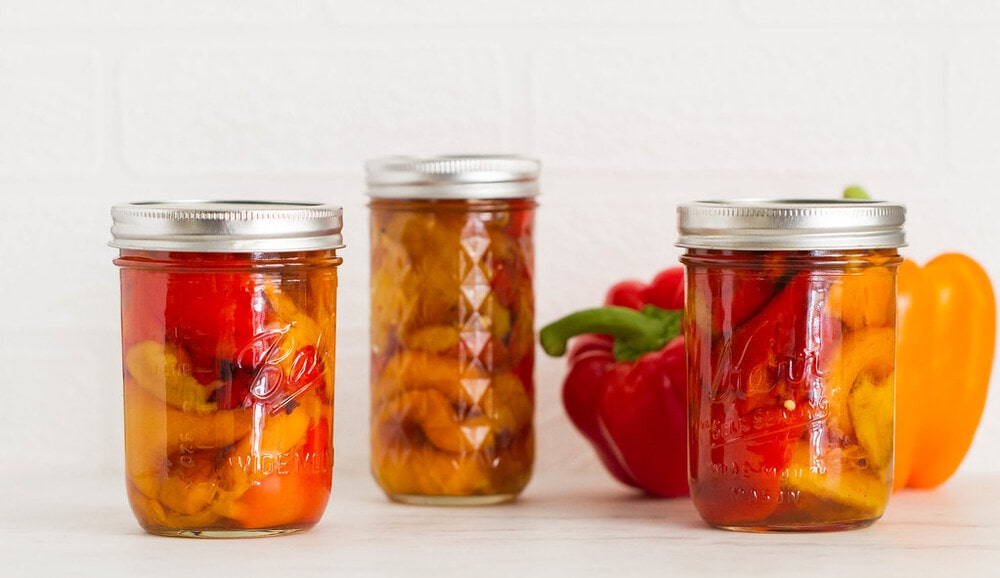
<point>223,534</point>
<point>788,528</point>
<point>476,500</point>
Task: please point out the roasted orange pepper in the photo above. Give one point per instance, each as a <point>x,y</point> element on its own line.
<point>946,340</point>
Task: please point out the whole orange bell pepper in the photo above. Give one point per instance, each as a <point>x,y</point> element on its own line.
<point>945,344</point>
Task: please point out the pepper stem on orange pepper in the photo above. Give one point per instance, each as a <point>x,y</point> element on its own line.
<point>634,332</point>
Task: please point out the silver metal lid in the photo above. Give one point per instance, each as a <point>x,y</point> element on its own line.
<point>226,226</point>
<point>453,177</point>
<point>798,224</point>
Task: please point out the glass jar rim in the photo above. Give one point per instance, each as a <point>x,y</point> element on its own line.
<point>790,224</point>
<point>226,226</point>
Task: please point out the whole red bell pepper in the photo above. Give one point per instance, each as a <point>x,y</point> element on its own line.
<point>625,390</point>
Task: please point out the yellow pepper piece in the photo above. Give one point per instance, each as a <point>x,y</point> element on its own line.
<point>838,475</point>
<point>146,482</point>
<point>190,485</point>
<point>388,300</point>
<point>521,338</point>
<point>154,430</point>
<point>263,453</point>
<point>433,338</point>
<point>272,437</point>
<point>867,355</point>
<point>302,329</point>
<point>431,412</point>
<point>426,470</point>
<point>507,403</point>
<point>299,330</point>
<point>152,513</point>
<point>197,520</point>
<point>864,297</point>
<point>157,368</point>
<point>422,370</point>
<point>871,406</point>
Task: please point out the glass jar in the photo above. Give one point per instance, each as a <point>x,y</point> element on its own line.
<point>452,327</point>
<point>228,313</point>
<point>790,337</point>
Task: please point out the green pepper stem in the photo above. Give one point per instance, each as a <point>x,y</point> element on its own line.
<point>635,332</point>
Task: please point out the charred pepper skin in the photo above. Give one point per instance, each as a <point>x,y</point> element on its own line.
<point>625,390</point>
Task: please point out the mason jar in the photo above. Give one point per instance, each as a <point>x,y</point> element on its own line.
<point>228,319</point>
<point>790,331</point>
<point>452,327</point>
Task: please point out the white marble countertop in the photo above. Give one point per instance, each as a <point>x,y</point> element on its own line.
<point>580,525</point>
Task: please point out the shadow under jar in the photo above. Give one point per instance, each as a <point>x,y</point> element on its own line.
<point>790,338</point>
<point>452,327</point>
<point>228,350</point>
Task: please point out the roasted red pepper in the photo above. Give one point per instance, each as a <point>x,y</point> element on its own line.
<point>625,390</point>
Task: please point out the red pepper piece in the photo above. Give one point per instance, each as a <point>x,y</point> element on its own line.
<point>214,316</point>
<point>737,293</point>
<point>143,296</point>
<point>776,355</point>
<point>625,390</point>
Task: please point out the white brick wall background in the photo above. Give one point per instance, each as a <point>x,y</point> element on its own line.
<point>632,107</point>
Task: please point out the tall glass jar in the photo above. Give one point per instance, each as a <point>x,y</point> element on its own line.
<point>228,349</point>
<point>452,327</point>
<point>790,337</point>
